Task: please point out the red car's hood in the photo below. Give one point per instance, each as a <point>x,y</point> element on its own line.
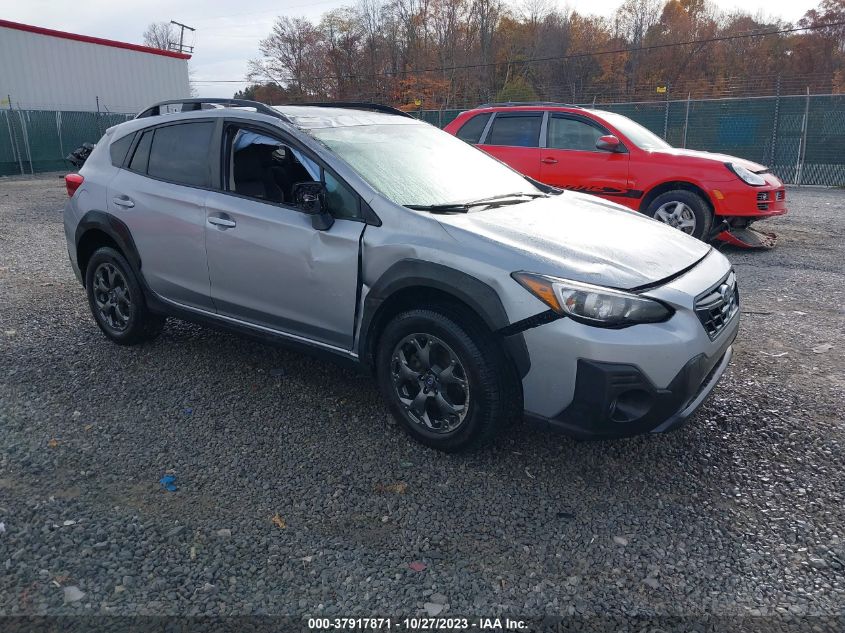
<point>719,158</point>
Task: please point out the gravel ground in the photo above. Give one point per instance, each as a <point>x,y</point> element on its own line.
<point>741,512</point>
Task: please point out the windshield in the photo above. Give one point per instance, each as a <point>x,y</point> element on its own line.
<point>636,133</point>
<point>419,165</point>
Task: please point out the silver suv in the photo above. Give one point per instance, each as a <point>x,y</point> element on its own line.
<point>475,295</point>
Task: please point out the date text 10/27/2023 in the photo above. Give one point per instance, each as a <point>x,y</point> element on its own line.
<point>416,624</point>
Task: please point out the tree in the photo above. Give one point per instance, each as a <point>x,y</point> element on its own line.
<point>484,19</point>
<point>517,89</point>
<point>271,93</point>
<point>293,55</point>
<point>457,53</point>
<point>633,20</point>
<point>343,36</point>
<point>161,35</point>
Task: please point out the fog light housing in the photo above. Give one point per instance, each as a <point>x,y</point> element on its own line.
<point>630,405</point>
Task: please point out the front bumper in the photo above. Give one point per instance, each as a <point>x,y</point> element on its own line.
<point>617,400</point>
<point>595,383</point>
<point>753,203</point>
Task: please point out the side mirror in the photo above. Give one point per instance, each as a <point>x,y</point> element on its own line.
<point>609,143</point>
<point>311,198</point>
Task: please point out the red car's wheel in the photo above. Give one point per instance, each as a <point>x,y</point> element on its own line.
<point>683,210</point>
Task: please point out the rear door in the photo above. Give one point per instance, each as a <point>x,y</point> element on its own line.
<point>160,195</point>
<point>570,160</point>
<point>514,138</point>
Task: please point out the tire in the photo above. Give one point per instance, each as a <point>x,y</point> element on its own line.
<point>693,209</point>
<point>488,400</point>
<point>117,301</point>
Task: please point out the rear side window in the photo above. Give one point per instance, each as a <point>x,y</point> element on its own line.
<point>179,153</point>
<point>142,153</point>
<point>472,129</point>
<point>119,148</point>
<point>517,130</point>
<point>573,134</point>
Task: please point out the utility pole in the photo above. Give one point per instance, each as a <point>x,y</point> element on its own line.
<point>182,47</point>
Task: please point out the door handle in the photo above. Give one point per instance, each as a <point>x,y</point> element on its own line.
<point>549,161</point>
<point>123,201</point>
<point>223,223</point>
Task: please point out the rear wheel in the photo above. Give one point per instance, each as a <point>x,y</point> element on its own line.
<point>447,382</point>
<point>116,299</point>
<point>683,210</point>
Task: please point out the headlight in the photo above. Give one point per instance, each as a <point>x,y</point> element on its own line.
<point>593,305</point>
<point>746,175</point>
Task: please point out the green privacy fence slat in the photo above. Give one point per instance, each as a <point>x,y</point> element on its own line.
<point>769,130</point>
<point>798,137</point>
<point>33,141</point>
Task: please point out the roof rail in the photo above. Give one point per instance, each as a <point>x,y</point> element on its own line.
<point>358,105</point>
<point>510,104</point>
<point>198,102</point>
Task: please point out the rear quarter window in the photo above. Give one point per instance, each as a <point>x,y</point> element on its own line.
<point>141,156</point>
<point>472,129</point>
<point>119,148</point>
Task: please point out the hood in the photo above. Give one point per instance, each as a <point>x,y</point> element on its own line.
<point>583,238</point>
<point>719,158</point>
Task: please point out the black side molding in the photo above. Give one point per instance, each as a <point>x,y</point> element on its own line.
<point>116,229</point>
<point>481,298</point>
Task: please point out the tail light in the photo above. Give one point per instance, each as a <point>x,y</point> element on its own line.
<point>72,183</point>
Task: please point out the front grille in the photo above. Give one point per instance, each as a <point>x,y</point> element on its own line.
<point>716,307</point>
<point>762,196</point>
<point>780,195</point>
<point>762,207</point>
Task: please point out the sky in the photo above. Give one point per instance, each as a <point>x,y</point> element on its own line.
<point>227,33</point>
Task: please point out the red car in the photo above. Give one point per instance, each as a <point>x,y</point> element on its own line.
<point>604,153</point>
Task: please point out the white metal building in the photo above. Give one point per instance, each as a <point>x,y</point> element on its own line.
<point>43,69</point>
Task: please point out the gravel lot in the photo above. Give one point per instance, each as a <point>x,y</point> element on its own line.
<point>741,512</point>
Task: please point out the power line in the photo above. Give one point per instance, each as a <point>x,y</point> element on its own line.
<point>723,38</point>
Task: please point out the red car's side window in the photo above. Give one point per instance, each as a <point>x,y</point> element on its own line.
<point>515,130</point>
<point>472,129</point>
<point>573,134</point>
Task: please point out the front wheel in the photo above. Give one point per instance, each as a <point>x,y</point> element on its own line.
<point>683,210</point>
<point>446,381</point>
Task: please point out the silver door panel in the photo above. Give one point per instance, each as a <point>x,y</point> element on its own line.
<point>273,269</point>
<point>167,223</point>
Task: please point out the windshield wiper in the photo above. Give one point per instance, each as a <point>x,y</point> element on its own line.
<point>440,208</point>
<point>506,198</point>
<point>464,207</point>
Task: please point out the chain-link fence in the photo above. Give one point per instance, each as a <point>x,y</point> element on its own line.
<point>33,141</point>
<point>799,137</point>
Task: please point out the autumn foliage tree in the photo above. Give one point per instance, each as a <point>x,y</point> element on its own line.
<point>454,53</point>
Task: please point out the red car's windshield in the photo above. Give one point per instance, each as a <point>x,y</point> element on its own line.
<point>636,133</point>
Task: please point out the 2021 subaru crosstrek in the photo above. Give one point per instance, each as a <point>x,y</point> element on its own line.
<point>474,294</point>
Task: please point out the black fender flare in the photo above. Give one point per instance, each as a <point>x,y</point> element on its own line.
<point>116,229</point>
<point>479,296</point>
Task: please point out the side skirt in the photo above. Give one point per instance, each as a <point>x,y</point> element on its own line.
<point>166,307</point>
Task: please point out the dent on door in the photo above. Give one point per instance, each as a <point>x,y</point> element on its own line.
<point>273,269</point>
